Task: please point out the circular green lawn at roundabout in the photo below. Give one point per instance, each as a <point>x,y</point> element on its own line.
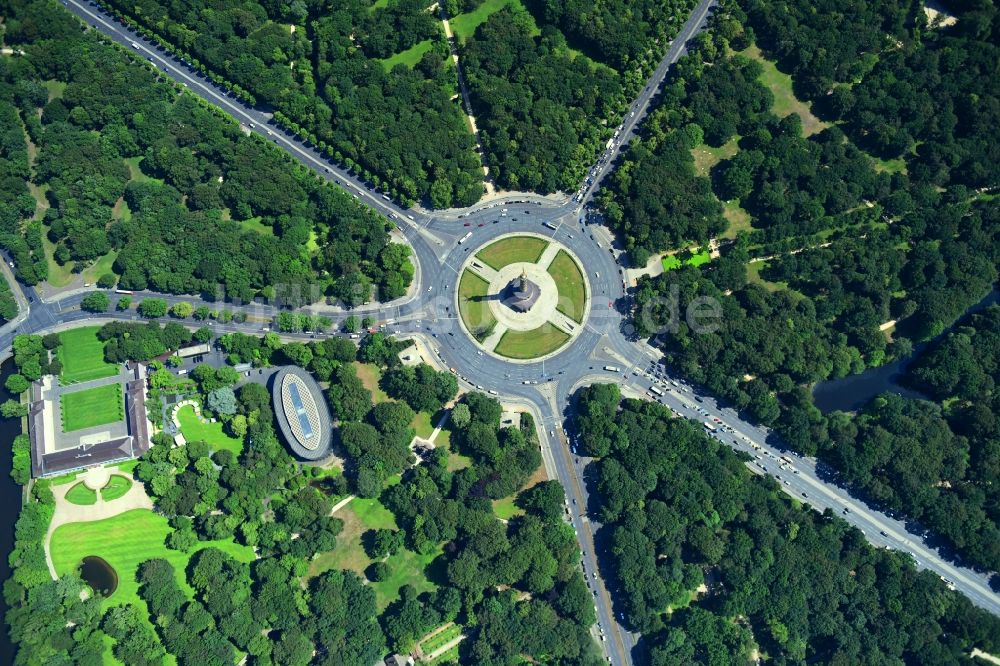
<point>523,297</point>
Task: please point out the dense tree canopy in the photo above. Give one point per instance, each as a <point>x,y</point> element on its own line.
<point>681,509</point>
<point>318,64</point>
<point>901,88</point>
<point>844,266</point>
<point>186,201</point>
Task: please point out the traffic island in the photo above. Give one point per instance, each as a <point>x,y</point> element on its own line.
<point>523,297</point>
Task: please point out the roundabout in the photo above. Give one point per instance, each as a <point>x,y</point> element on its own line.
<point>523,297</point>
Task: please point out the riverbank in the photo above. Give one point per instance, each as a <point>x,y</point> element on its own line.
<point>853,392</point>
<point>11,495</point>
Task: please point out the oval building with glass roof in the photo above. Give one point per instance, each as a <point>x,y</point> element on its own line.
<point>302,413</point>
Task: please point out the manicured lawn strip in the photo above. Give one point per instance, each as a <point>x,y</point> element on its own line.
<point>125,541</point>
<point>405,568</point>
<point>785,101</point>
<point>116,487</point>
<point>448,656</point>
<point>443,637</point>
<point>196,431</point>
<point>475,314</point>
<point>82,356</point>
<point>569,283</point>
<point>126,467</point>
<point>464,25</point>
<point>91,407</point>
<point>62,480</point>
<point>516,249</point>
<point>531,344</point>
<point>410,57</point>
<point>81,494</point>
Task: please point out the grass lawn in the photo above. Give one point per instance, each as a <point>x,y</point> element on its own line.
<point>41,203</point>
<point>423,424</point>
<point>127,467</point>
<point>370,376</point>
<point>125,541</point>
<point>456,461</point>
<point>54,88</point>
<point>531,344</point>
<point>569,283</point>
<point>405,567</point>
<point>82,356</point>
<point>753,275</point>
<point>257,225</point>
<point>785,101</point>
<point>505,509</point>
<point>91,407</point>
<point>410,57</point>
<point>672,261</point>
<point>195,431</point>
<point>464,25</point>
<point>121,211</point>
<point>116,487</point>
<point>512,250</point>
<point>60,276</point>
<point>475,314</point>
<point>702,257</point>
<point>897,165</point>
<point>739,219</point>
<point>135,171</point>
<point>81,494</point>
<point>706,156</point>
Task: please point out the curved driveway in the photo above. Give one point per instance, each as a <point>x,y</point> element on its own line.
<point>546,386</point>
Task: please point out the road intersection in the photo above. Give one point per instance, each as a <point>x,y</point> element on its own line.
<point>546,388</point>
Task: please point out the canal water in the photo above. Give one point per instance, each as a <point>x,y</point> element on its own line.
<point>10,503</point>
<point>854,391</point>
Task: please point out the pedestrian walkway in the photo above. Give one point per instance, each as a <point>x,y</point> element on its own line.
<point>549,254</point>
<point>453,46</point>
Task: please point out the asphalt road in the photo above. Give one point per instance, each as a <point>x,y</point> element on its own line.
<point>430,309</point>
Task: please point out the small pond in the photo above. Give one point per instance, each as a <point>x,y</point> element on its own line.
<point>100,575</point>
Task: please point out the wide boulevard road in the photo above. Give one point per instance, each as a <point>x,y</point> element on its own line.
<point>429,310</point>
